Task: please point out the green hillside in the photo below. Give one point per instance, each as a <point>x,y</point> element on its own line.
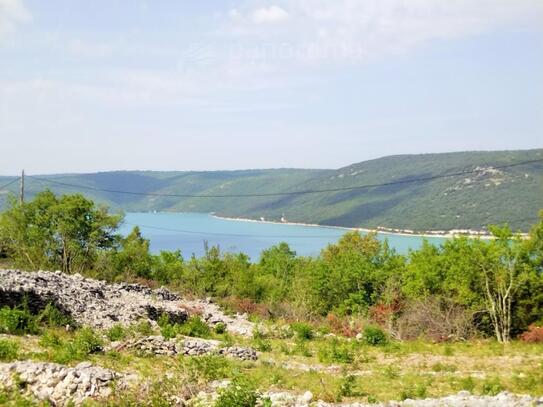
<point>491,195</point>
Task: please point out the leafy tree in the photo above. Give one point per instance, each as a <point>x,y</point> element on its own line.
<point>168,266</point>
<point>134,257</point>
<point>50,232</point>
<point>276,270</point>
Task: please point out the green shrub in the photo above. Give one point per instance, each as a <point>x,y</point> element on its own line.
<point>194,326</point>
<point>374,335</point>
<point>468,384</point>
<point>492,387</point>
<point>17,321</point>
<point>143,327</point>
<point>8,350</point>
<point>335,351</point>
<point>52,317</point>
<point>207,367</point>
<point>302,349</point>
<point>50,339</point>
<point>391,371</point>
<point>347,387</point>
<point>220,328</point>
<point>240,393</point>
<point>116,333</point>
<point>13,397</point>
<point>262,345</point>
<point>302,330</point>
<point>258,334</point>
<point>84,343</point>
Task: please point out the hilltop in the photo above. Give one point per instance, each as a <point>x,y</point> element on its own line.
<point>491,195</point>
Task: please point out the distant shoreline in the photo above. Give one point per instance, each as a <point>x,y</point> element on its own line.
<point>383,231</point>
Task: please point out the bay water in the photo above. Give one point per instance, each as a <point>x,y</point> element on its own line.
<point>188,232</point>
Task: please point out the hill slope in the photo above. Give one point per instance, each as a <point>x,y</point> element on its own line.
<point>491,195</point>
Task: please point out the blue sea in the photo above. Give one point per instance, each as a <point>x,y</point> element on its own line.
<point>188,232</point>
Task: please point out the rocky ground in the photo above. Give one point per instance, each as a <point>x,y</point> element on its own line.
<point>137,361</point>
<point>100,305</point>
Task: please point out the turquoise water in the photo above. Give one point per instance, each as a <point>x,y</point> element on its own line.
<point>188,231</point>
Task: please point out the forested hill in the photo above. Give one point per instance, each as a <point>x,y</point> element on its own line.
<point>490,195</point>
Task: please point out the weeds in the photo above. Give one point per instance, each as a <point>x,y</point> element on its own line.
<point>9,350</point>
<point>17,321</point>
<point>335,351</point>
<point>209,367</point>
<point>194,326</point>
<point>302,330</point>
<point>20,321</point>
<point>84,343</point>
<point>116,333</point>
<point>241,392</point>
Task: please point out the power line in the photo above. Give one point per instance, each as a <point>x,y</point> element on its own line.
<point>195,232</point>
<point>303,192</point>
<point>13,181</point>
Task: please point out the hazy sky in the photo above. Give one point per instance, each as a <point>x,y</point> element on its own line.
<point>216,84</point>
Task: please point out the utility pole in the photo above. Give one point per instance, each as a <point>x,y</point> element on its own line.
<point>22,195</point>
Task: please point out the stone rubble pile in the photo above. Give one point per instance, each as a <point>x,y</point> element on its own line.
<point>58,384</point>
<point>213,315</point>
<point>100,305</point>
<point>158,345</point>
<point>239,352</point>
<point>462,399</point>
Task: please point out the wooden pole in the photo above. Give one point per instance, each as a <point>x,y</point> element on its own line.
<point>22,194</point>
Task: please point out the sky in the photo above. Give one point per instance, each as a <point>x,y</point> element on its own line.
<point>205,85</point>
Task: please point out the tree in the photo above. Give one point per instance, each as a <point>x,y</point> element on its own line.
<point>134,258</point>
<point>275,271</point>
<point>49,232</point>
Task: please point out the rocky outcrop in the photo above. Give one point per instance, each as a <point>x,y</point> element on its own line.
<point>100,305</point>
<point>59,384</point>
<point>158,345</point>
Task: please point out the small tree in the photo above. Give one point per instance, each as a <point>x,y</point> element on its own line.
<point>501,273</point>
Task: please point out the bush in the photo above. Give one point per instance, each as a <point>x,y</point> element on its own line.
<point>467,383</point>
<point>347,387</point>
<point>417,392</point>
<point>240,393</point>
<point>207,367</point>
<point>534,334</point>
<point>374,336</point>
<point>336,352</point>
<point>84,343</point>
<point>8,350</point>
<point>50,339</point>
<point>303,331</point>
<point>52,317</point>
<point>143,327</point>
<point>116,333</point>
<point>17,321</point>
<point>262,345</point>
<point>302,349</point>
<point>492,387</point>
<point>194,326</point>
<point>220,328</point>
